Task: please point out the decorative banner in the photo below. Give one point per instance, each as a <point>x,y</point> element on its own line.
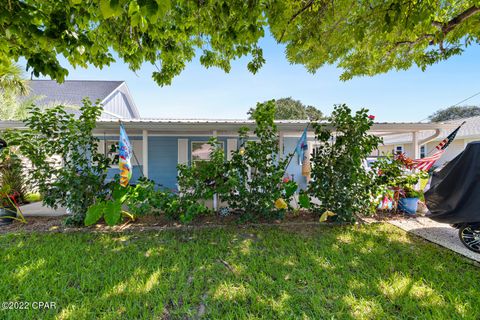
<point>302,145</point>
<point>306,167</point>
<point>124,153</point>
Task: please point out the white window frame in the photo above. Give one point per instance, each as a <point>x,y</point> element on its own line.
<point>396,151</point>
<point>425,151</point>
<point>203,142</point>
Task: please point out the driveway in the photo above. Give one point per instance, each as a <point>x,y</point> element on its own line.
<point>36,209</point>
<point>439,233</point>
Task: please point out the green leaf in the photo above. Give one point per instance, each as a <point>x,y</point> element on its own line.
<point>94,213</point>
<point>113,212</point>
<point>290,188</point>
<point>110,8</point>
<point>304,201</point>
<point>120,193</point>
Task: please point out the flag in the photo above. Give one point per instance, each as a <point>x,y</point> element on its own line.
<point>426,163</point>
<point>445,142</point>
<point>124,153</point>
<point>306,168</point>
<point>302,144</point>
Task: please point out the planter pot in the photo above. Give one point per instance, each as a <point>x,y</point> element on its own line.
<point>6,213</point>
<point>408,205</point>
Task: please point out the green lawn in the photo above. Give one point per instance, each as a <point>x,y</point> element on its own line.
<point>368,272</point>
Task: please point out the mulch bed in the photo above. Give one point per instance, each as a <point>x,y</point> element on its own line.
<point>160,222</point>
<point>152,222</point>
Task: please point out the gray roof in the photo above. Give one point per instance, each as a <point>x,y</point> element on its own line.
<point>71,91</point>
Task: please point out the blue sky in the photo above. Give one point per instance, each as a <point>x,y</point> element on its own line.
<point>210,93</point>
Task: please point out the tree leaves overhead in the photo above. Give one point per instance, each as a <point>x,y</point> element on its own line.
<point>362,37</point>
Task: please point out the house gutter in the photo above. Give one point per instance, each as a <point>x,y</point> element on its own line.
<point>431,138</point>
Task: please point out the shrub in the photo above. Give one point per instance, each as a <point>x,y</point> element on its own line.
<point>339,177</point>
<point>79,178</point>
<point>254,175</point>
<point>202,180</point>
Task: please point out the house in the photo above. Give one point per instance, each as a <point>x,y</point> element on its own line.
<point>159,145</point>
<point>426,141</point>
<point>113,95</point>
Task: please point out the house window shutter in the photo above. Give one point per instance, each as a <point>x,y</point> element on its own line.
<point>182,151</point>
<point>231,146</point>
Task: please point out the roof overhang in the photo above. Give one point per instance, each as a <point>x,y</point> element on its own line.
<point>293,127</point>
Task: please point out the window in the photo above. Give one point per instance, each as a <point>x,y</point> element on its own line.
<point>111,151</point>
<point>109,148</point>
<point>423,151</point>
<point>201,151</point>
<point>398,149</point>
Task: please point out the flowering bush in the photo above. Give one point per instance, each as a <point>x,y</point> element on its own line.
<point>254,184</point>
<point>54,133</point>
<point>339,177</point>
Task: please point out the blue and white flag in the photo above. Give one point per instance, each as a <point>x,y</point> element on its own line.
<point>302,145</point>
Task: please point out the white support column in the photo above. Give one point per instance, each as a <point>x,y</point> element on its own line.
<point>145,152</point>
<point>215,196</point>
<point>416,147</point>
<point>280,143</point>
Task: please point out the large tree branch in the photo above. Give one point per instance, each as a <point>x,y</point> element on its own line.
<point>299,12</point>
<point>446,27</point>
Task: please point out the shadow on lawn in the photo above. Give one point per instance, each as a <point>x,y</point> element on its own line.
<point>341,272</point>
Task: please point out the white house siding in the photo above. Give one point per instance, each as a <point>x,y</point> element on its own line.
<point>457,146</point>
<point>117,104</point>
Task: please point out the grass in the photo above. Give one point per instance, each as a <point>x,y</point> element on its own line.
<point>368,272</point>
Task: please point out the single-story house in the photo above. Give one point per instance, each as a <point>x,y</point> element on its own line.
<point>425,144</point>
<point>161,144</point>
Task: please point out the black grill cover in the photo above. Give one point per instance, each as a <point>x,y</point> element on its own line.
<point>454,194</point>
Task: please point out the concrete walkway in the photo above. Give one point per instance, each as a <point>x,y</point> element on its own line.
<point>36,209</point>
<point>439,233</point>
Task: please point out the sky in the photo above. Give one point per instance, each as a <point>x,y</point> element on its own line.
<point>198,92</point>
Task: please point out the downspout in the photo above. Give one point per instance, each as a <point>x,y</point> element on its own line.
<point>432,137</point>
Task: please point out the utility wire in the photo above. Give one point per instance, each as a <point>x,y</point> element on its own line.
<point>456,104</point>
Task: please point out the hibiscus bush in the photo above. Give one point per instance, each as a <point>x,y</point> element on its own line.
<point>340,179</point>
<point>254,176</point>
<point>65,165</point>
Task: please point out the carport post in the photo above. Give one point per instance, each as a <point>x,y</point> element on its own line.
<point>416,149</point>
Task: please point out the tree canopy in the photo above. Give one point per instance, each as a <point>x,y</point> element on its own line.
<point>455,112</point>
<point>361,37</point>
<point>290,109</point>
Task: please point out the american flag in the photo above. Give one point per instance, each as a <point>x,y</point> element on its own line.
<point>426,163</point>
<point>445,142</point>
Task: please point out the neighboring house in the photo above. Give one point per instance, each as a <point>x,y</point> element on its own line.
<point>469,132</point>
<point>113,95</point>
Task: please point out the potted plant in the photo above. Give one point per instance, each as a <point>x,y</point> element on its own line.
<point>408,201</point>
